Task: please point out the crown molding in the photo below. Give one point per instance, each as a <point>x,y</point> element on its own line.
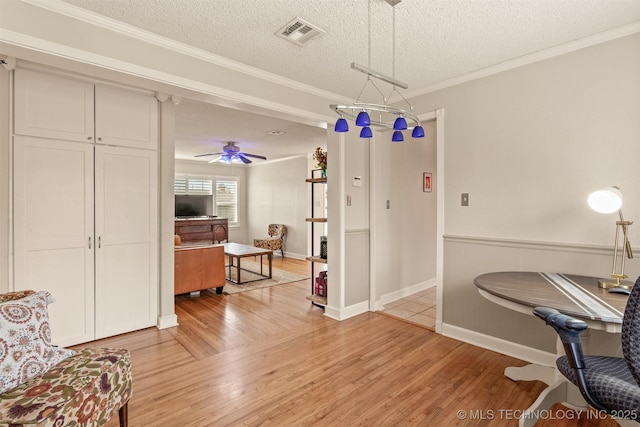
<point>552,52</point>
<point>65,52</point>
<point>80,14</point>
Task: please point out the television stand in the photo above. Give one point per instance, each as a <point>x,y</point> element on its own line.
<point>202,230</point>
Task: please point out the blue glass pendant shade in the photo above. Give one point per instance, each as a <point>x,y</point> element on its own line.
<point>418,132</point>
<point>400,124</point>
<point>366,132</point>
<point>341,125</point>
<point>363,119</point>
<point>397,136</point>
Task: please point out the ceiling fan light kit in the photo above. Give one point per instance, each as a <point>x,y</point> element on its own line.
<point>381,115</point>
<point>231,154</point>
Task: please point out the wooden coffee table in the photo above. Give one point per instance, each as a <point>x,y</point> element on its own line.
<point>236,251</point>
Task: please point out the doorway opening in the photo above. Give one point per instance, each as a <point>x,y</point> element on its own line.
<point>407,214</point>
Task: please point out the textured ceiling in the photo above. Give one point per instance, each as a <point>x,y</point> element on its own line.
<point>435,40</point>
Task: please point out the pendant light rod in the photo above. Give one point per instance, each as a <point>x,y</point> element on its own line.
<point>386,115</point>
<point>368,71</point>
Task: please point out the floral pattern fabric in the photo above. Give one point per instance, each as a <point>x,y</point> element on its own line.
<point>82,390</point>
<point>275,241</point>
<point>25,340</point>
<point>12,296</point>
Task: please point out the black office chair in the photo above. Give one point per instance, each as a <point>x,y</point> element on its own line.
<point>609,384</point>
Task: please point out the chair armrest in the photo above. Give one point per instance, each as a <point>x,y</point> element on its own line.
<point>569,330</point>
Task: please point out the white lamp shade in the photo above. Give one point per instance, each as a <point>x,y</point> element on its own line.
<point>605,201</point>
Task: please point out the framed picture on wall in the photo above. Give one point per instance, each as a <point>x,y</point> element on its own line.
<point>426,182</point>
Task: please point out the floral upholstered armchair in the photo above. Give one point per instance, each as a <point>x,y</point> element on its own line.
<point>275,241</point>
<point>44,385</point>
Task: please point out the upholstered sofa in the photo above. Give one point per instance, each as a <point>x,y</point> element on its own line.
<point>43,385</point>
<point>198,268</point>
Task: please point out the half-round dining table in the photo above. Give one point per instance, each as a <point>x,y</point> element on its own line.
<point>574,295</point>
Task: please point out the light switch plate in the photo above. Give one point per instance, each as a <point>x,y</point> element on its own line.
<point>464,199</point>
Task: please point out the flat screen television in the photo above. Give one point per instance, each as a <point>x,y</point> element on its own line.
<point>193,206</point>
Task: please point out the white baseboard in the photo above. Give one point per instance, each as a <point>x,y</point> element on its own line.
<point>498,345</point>
<point>169,321</point>
<point>291,255</point>
<point>404,292</point>
<point>347,312</point>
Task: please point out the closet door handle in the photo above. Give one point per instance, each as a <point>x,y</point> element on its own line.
<point>89,242</point>
<point>99,242</point>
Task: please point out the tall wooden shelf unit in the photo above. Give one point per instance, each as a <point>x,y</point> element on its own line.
<point>313,221</point>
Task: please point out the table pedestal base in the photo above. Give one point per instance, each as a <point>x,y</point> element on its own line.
<point>559,390</point>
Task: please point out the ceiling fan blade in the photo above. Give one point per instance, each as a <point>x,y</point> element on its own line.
<point>207,154</point>
<point>214,160</point>
<point>243,158</point>
<point>254,155</point>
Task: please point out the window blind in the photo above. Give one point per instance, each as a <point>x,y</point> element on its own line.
<point>180,186</point>
<point>227,199</point>
<point>195,186</point>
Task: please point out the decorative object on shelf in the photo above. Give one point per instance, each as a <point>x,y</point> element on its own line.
<point>426,182</point>
<point>323,247</point>
<point>320,156</point>
<point>321,284</point>
<point>386,116</point>
<point>231,154</point>
<point>608,201</point>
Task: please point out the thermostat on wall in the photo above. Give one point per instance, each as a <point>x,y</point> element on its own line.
<point>357,181</point>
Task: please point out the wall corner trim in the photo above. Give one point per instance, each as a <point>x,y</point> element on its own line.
<point>168,321</point>
<point>347,312</point>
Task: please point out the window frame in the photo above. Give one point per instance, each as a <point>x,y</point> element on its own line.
<point>214,185</point>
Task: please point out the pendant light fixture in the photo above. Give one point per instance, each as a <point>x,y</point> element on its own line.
<point>381,115</point>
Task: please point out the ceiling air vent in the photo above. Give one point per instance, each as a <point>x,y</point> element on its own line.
<point>299,31</point>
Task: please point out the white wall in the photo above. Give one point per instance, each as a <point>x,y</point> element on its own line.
<point>529,145</point>
<point>405,234</point>
<point>277,193</point>
<point>237,233</point>
<point>357,225</point>
<point>349,229</point>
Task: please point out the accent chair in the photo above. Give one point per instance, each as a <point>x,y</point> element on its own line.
<point>44,385</point>
<point>275,241</point>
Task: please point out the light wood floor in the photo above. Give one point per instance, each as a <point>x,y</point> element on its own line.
<point>269,357</point>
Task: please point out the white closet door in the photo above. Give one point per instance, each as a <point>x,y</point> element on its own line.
<point>53,222</point>
<point>126,192</point>
<point>53,107</point>
<point>126,118</point>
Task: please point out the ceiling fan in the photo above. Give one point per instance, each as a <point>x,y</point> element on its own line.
<point>231,154</point>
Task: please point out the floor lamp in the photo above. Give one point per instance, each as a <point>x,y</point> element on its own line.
<point>608,201</point>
